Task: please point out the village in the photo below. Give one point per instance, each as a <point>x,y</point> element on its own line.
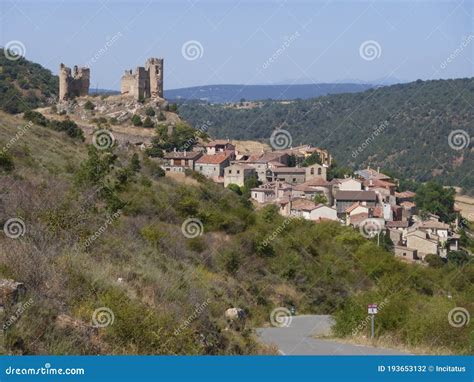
<point>294,179</point>
<point>367,201</point>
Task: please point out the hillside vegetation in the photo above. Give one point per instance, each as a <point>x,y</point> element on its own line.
<point>103,232</point>
<point>402,128</point>
<point>25,85</point>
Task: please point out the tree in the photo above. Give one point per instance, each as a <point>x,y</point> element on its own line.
<point>458,257</point>
<point>312,159</point>
<point>234,187</point>
<point>320,198</point>
<point>250,183</point>
<point>434,261</point>
<point>6,162</point>
<point>136,120</point>
<point>434,198</point>
<point>148,122</point>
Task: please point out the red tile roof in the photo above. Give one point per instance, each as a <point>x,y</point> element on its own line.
<point>213,159</point>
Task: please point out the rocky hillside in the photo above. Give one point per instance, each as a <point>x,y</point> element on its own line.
<point>102,254</point>
<point>421,130</point>
<point>24,84</point>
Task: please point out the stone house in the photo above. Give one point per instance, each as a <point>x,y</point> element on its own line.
<point>406,253</point>
<point>213,166</point>
<point>270,192</point>
<point>312,187</point>
<point>238,174</point>
<point>264,161</point>
<point>219,146</point>
<point>345,199</point>
<point>295,175</point>
<point>310,211</point>
<point>179,161</point>
<point>422,242</point>
<point>350,184</point>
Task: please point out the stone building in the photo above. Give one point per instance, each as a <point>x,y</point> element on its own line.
<point>145,82</point>
<point>75,84</point>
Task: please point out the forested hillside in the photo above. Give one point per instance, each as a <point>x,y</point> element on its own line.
<point>24,84</point>
<point>110,263</point>
<point>402,128</point>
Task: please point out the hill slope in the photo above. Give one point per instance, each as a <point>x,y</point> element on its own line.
<point>402,128</point>
<point>108,268</point>
<point>234,93</point>
<point>24,84</point>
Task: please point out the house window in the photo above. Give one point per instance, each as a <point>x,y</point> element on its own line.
<point>238,171</point>
<point>200,168</point>
<point>230,171</point>
<point>312,171</point>
<point>404,254</point>
<point>319,171</point>
<point>294,180</point>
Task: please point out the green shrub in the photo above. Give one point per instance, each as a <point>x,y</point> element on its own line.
<point>149,111</point>
<point>136,120</point>
<point>148,122</point>
<point>89,105</point>
<point>6,162</point>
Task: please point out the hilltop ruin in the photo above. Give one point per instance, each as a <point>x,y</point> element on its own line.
<point>75,84</point>
<point>145,82</point>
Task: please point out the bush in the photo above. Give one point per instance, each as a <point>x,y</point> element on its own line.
<point>150,112</point>
<point>161,117</point>
<point>148,122</point>
<point>6,162</point>
<point>35,117</point>
<point>136,120</point>
<point>89,105</point>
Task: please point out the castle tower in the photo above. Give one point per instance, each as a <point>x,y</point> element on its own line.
<point>154,66</point>
<point>144,82</point>
<point>75,84</point>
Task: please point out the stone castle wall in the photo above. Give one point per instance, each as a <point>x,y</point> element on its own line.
<point>73,84</point>
<point>145,82</point>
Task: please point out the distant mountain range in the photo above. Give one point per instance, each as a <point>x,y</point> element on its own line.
<point>235,93</point>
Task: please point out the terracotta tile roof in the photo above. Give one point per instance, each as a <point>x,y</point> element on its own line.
<point>377,212</point>
<point>378,183</point>
<point>397,224</point>
<point>213,159</point>
<point>405,194</point>
<point>352,208</point>
<point>303,204</point>
<point>358,218</point>
<point>433,224</point>
<point>408,204</point>
<point>290,170</point>
<point>370,173</point>
<point>356,195</point>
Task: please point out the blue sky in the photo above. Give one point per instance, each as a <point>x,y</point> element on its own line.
<point>247,42</point>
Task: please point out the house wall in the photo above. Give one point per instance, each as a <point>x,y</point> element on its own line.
<point>316,171</point>
<point>324,213</point>
<point>350,185</point>
<point>236,175</point>
<point>290,178</point>
<point>406,253</point>
<point>210,170</point>
<point>423,246</point>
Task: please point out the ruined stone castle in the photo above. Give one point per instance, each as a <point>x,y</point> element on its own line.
<point>145,82</point>
<point>75,84</point>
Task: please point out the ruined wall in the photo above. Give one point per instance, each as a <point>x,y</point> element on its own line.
<point>144,82</point>
<point>73,84</point>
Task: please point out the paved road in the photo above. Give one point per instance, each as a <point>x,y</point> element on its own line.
<point>297,339</point>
